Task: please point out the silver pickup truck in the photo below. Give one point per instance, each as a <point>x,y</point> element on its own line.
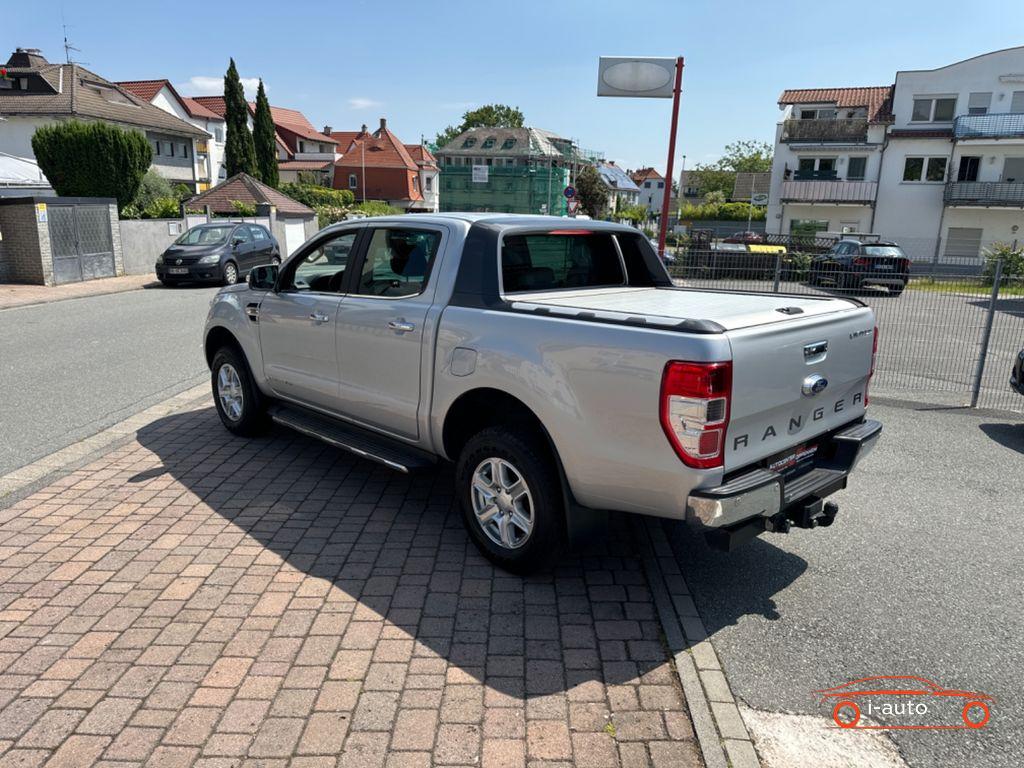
<point>556,364</point>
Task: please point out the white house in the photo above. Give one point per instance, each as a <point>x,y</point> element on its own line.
<point>209,155</point>
<point>935,161</point>
<point>652,189</point>
<point>620,189</point>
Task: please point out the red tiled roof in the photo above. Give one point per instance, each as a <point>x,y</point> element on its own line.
<point>344,139</point>
<point>290,120</point>
<point>380,150</point>
<point>877,99</point>
<point>147,89</point>
<point>246,189</point>
<point>144,89</point>
<point>213,103</point>
<point>304,165</point>
<point>421,154</point>
<point>645,174</point>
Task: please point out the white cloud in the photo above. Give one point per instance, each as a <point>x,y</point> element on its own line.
<point>204,85</point>
<point>360,102</point>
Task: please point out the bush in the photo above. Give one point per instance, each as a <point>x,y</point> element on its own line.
<point>314,196</point>
<point>721,212</point>
<point>377,208</point>
<point>330,214</point>
<point>152,188</point>
<point>1013,261</point>
<point>243,209</point>
<point>163,208</point>
<point>797,265</point>
<point>92,159</point>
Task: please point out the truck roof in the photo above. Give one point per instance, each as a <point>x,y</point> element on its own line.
<point>503,219</point>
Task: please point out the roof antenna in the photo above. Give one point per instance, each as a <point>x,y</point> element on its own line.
<point>68,47</point>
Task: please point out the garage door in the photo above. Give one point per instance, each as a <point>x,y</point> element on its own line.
<point>80,242</point>
<point>294,235</point>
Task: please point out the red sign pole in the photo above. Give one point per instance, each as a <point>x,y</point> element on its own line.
<point>667,200</point>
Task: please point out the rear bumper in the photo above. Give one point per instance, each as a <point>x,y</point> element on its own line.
<point>762,494</point>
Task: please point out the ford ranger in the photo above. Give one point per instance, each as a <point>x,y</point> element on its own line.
<point>555,363</point>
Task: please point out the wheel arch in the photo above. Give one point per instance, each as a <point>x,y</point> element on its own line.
<point>483,407</point>
<point>218,336</point>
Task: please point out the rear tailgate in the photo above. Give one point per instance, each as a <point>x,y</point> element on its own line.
<point>772,410</point>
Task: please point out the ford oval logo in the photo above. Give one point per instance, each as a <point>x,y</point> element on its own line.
<point>814,384</point>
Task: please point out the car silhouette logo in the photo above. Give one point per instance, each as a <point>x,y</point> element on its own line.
<point>814,384</point>
<point>902,696</point>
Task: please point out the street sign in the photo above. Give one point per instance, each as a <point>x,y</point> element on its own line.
<point>761,198</point>
<point>569,192</point>
<point>574,206</point>
<point>642,77</point>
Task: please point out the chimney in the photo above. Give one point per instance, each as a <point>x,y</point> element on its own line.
<point>383,124</point>
<point>363,129</point>
<point>327,130</point>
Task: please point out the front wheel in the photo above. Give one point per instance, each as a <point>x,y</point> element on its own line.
<point>240,405</point>
<point>230,273</point>
<point>511,498</point>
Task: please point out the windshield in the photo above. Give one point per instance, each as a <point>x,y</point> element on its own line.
<point>883,250</point>
<point>205,235</point>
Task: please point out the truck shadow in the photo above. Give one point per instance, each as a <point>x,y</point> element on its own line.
<point>1009,434</point>
<point>390,551</point>
<point>727,586</point>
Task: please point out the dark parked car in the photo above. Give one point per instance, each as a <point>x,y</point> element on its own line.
<point>217,253</point>
<point>1017,374</point>
<point>744,237</point>
<point>852,264</point>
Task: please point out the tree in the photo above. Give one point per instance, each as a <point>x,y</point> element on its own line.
<point>239,150</point>
<point>489,115</point>
<point>263,138</point>
<point>591,192</point>
<point>738,157</point>
<point>92,159</point>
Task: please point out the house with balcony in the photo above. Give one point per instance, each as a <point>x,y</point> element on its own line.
<point>828,151</point>
<point>943,172</point>
<point>209,154</point>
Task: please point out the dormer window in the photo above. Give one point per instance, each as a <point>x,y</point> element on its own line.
<point>488,142</point>
<point>508,143</point>
<point>470,142</point>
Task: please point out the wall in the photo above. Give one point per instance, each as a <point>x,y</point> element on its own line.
<point>905,210</point>
<point>176,168</point>
<point>143,240</point>
<point>24,242</point>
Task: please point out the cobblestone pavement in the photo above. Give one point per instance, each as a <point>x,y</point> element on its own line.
<point>192,598</point>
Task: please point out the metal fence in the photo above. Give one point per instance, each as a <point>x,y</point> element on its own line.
<point>948,338</point>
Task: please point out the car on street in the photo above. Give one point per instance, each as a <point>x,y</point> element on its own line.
<point>1017,374</point>
<point>744,237</point>
<point>853,264</point>
<point>555,364</point>
<point>217,252</point>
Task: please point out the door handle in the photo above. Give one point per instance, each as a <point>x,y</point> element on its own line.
<point>400,326</point>
<point>319,317</point>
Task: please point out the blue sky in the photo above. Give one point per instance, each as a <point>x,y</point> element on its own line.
<point>421,64</point>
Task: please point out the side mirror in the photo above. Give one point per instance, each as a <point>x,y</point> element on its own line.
<point>263,278</point>
<point>236,241</point>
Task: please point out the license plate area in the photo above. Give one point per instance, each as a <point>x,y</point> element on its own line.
<point>888,267</point>
<point>792,461</point>
<point>177,270</point>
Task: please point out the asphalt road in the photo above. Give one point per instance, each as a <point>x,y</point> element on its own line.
<point>69,369</point>
<point>919,575</point>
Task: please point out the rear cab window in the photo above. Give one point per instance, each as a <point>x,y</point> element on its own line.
<point>573,259</point>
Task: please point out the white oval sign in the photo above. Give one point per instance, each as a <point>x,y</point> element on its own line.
<point>636,76</point>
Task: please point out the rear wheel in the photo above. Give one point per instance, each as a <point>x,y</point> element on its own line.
<point>511,498</point>
<point>240,405</point>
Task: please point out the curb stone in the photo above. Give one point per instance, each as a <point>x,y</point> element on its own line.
<point>27,479</point>
<point>721,732</point>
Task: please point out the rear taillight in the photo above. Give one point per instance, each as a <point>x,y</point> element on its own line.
<point>874,355</point>
<point>695,410</point>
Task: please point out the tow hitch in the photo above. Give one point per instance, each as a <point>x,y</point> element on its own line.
<point>807,513</point>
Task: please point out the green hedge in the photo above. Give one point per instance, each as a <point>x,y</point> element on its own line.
<point>722,212</point>
<point>92,159</point>
<point>314,196</point>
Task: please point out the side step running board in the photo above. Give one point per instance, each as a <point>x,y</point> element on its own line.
<point>349,437</point>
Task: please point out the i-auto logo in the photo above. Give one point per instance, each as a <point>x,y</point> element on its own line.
<point>890,702</point>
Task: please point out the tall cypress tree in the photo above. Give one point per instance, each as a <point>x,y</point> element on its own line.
<point>263,136</point>
<point>239,151</point>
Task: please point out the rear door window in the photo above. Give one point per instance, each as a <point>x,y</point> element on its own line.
<point>556,260</point>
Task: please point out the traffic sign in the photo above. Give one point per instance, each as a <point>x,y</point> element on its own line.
<point>759,198</point>
<point>574,206</point>
<point>569,192</point>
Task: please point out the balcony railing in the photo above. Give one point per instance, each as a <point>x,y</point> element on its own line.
<point>987,193</point>
<point>838,130</point>
<point>829,191</point>
<point>1004,126</point>
<point>815,176</point>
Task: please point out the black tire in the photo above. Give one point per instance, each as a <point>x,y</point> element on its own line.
<point>252,418</point>
<point>896,290</point>
<point>229,273</point>
<point>530,458</point>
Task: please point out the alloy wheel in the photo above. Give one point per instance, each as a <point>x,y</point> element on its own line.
<point>229,391</point>
<point>502,503</point>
